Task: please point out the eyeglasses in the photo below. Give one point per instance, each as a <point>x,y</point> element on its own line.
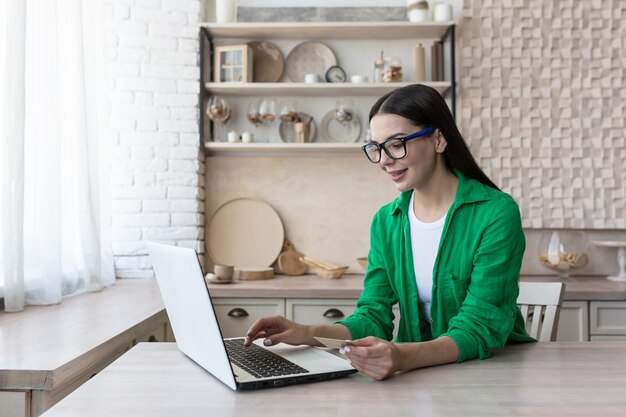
<point>395,148</point>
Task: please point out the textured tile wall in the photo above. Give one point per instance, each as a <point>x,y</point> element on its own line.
<point>543,100</point>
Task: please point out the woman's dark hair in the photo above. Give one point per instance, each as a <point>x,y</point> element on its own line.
<point>424,106</point>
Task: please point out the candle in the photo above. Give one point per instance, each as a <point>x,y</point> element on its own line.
<point>246,137</point>
<point>442,12</point>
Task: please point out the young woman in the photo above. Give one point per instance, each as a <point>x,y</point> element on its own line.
<point>448,250</point>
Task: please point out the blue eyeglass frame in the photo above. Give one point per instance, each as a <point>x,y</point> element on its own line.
<point>424,132</point>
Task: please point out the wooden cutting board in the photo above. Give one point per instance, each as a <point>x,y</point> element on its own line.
<point>289,261</point>
<point>253,273</point>
<point>245,232</point>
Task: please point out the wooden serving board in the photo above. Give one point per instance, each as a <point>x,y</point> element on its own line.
<point>289,261</point>
<point>252,273</point>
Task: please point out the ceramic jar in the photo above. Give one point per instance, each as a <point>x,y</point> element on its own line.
<point>417,11</point>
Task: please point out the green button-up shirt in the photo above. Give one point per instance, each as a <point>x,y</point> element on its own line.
<point>474,277</point>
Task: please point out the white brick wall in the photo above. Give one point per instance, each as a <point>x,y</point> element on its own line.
<point>157,171</point>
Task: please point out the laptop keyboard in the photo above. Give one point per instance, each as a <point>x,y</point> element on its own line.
<point>260,362</point>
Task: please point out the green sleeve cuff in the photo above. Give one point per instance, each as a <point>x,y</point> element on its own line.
<point>468,346</point>
<point>360,326</point>
<point>352,326</point>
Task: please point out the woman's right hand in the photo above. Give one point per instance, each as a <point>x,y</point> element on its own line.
<point>277,329</point>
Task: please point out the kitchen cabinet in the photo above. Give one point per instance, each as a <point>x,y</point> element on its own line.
<point>327,311</point>
<point>582,321</point>
<point>594,308</point>
<point>236,315</point>
<point>356,45</point>
<point>607,320</point>
<point>317,311</point>
<point>573,323</point>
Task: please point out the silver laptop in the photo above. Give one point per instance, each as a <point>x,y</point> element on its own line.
<point>197,332</point>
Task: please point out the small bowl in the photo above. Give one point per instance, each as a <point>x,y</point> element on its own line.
<point>224,272</point>
<point>363,262</point>
<point>330,273</point>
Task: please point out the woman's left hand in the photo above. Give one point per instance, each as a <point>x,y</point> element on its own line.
<point>374,357</point>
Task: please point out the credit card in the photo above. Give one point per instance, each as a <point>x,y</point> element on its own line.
<point>332,343</point>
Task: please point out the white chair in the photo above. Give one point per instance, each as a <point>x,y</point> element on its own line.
<point>540,304</point>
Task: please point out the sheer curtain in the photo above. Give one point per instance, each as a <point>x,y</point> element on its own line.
<point>54,217</point>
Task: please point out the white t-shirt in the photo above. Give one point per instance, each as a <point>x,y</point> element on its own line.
<point>425,239</point>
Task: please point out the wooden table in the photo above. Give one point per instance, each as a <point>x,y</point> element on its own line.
<point>542,379</point>
<point>48,351</point>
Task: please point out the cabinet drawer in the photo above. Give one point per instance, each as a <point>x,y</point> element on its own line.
<point>236,315</point>
<point>327,311</point>
<point>608,318</point>
<point>319,311</point>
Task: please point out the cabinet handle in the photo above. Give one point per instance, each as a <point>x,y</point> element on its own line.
<point>333,313</point>
<point>238,312</point>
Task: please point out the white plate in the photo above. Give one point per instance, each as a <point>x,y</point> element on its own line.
<point>309,58</point>
<point>334,131</point>
<point>245,232</point>
<point>287,133</point>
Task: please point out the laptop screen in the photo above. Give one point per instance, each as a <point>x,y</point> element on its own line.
<point>189,308</point>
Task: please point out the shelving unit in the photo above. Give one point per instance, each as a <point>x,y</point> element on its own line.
<point>245,32</point>
<point>284,149</point>
<point>320,89</point>
<point>328,30</point>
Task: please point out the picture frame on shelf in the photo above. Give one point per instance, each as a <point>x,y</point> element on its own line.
<point>233,63</point>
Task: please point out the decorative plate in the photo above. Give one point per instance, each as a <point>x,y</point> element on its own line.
<point>335,131</point>
<point>309,58</point>
<point>287,130</point>
<point>268,62</point>
<point>245,232</point>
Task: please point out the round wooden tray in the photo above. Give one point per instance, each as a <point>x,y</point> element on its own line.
<point>245,232</point>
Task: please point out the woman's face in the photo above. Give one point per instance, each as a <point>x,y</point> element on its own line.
<point>423,154</point>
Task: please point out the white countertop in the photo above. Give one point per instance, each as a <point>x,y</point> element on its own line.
<point>350,286</point>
